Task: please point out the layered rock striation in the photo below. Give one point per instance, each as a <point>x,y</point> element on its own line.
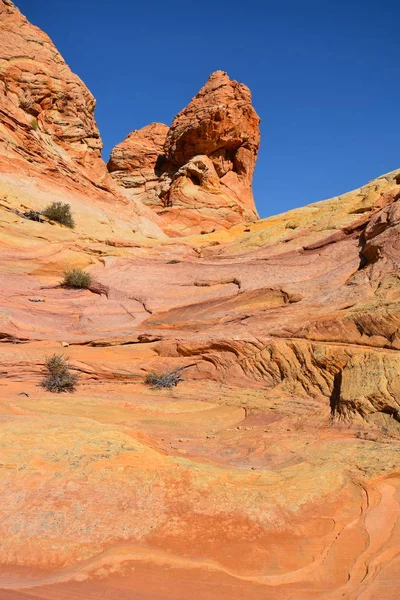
<point>272,469</point>
<point>39,94</point>
<point>134,163</point>
<point>48,133</point>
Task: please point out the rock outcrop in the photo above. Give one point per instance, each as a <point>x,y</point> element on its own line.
<point>134,162</point>
<point>272,469</point>
<point>49,136</point>
<point>198,174</point>
<point>276,455</point>
<point>40,96</point>
<point>221,123</point>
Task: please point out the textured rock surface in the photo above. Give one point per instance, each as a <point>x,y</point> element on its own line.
<point>198,173</point>
<point>221,123</point>
<point>272,470</point>
<point>48,135</point>
<point>40,94</point>
<point>133,162</point>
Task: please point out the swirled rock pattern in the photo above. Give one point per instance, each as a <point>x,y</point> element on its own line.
<point>272,469</point>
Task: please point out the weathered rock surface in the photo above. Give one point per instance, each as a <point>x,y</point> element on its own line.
<point>272,470</point>
<point>198,173</point>
<point>221,123</point>
<point>48,135</point>
<point>133,162</point>
<point>42,100</point>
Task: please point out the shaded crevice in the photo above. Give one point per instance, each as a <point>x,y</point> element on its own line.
<point>392,412</point>
<point>143,303</point>
<point>234,281</point>
<point>334,399</point>
<point>363,258</point>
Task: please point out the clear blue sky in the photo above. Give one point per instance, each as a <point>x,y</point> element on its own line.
<point>324,76</point>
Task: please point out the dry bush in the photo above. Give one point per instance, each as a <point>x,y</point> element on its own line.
<point>77,279</point>
<point>164,380</point>
<point>58,376</point>
<point>59,212</point>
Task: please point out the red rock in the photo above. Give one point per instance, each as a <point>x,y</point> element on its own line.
<point>221,123</point>
<point>48,132</point>
<point>271,470</point>
<point>133,162</point>
<point>40,94</point>
<point>200,181</point>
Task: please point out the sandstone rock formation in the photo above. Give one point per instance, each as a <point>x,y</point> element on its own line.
<point>197,174</point>
<point>39,93</point>
<point>272,470</point>
<point>221,123</point>
<point>48,134</point>
<point>133,162</point>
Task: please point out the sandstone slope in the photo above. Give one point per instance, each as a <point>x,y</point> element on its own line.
<point>272,470</point>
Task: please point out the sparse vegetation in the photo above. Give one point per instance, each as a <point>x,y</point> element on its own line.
<point>173,262</point>
<point>58,376</point>
<point>164,380</point>
<point>77,279</point>
<point>59,212</point>
<point>34,124</point>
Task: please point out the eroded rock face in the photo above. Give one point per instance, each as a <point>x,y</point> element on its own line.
<point>48,133</point>
<point>218,135</point>
<point>276,454</point>
<point>221,123</point>
<point>271,470</point>
<point>369,389</point>
<point>134,162</point>
<point>39,92</point>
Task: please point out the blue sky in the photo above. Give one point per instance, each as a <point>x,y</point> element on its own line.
<point>324,76</point>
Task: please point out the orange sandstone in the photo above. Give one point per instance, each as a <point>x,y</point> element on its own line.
<point>272,469</point>
<point>197,174</point>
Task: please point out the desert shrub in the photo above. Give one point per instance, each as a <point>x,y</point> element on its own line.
<point>77,279</point>
<point>58,376</point>
<point>34,124</point>
<point>164,380</point>
<point>59,212</point>
<point>173,262</point>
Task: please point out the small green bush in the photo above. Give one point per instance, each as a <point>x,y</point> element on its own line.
<point>58,376</point>
<point>164,380</point>
<point>77,279</point>
<point>34,124</point>
<point>59,212</point>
